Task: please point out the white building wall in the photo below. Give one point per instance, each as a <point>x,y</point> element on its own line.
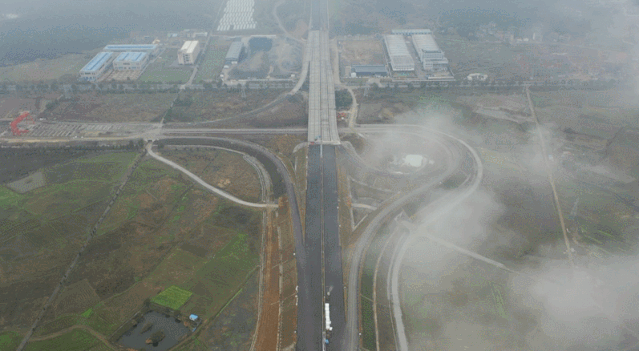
<point>189,52</point>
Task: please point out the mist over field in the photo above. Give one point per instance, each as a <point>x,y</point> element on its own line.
<point>547,304</point>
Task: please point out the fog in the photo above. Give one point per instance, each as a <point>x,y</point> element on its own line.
<point>48,29</point>
<point>549,304</point>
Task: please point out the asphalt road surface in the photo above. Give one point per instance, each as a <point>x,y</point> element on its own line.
<point>310,308</point>
<point>333,275</point>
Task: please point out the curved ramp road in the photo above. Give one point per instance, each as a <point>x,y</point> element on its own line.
<point>205,184</point>
<point>455,148</point>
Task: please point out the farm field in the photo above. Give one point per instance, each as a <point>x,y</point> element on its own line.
<point>495,59</point>
<point>43,228</point>
<point>213,61</point>
<point>596,113</point>
<point>95,107</point>
<point>75,340</point>
<point>210,106</point>
<point>165,241</point>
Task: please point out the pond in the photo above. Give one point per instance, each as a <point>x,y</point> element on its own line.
<point>173,331</point>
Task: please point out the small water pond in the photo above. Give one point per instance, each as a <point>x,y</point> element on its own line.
<point>173,331</point>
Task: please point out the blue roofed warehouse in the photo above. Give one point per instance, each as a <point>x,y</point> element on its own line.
<point>131,61</point>
<point>93,70</point>
<point>151,49</point>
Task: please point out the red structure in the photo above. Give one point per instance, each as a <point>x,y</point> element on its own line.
<point>14,125</point>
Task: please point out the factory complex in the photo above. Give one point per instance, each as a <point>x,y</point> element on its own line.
<point>398,54</point>
<point>406,53</point>
<point>429,53</point>
<point>131,58</point>
<point>151,49</point>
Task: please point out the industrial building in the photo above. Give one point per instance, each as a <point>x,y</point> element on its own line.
<point>131,61</point>
<point>410,32</point>
<point>93,70</point>
<point>238,15</point>
<point>235,53</point>
<point>368,71</point>
<point>400,58</point>
<point>189,52</point>
<point>429,53</point>
<point>151,49</point>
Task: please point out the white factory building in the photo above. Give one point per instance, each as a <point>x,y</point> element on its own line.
<point>93,70</point>
<point>189,52</point>
<point>131,61</point>
<point>429,53</point>
<point>400,58</point>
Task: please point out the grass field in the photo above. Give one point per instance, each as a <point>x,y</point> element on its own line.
<point>159,70</point>
<point>213,61</point>
<point>368,324</point>
<point>44,70</point>
<point>10,340</point>
<point>209,106</point>
<point>168,75</point>
<point>173,297</point>
<point>75,340</point>
<point>130,107</point>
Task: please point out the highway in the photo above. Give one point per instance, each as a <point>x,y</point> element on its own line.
<point>309,313</point>
<point>322,240</point>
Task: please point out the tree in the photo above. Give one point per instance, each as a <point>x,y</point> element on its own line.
<point>343,99</point>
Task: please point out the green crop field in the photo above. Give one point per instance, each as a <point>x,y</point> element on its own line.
<point>173,297</point>
<point>76,340</point>
<point>213,62</point>
<point>220,278</point>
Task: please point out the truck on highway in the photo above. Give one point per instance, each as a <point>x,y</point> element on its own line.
<point>327,320</point>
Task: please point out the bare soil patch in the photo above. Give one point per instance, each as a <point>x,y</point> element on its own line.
<point>268,326</point>
<point>222,169</point>
<point>362,52</point>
